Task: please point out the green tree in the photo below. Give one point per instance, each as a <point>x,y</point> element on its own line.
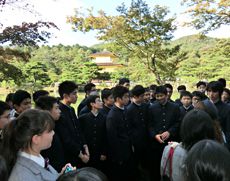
<point>208,15</point>
<point>141,31</point>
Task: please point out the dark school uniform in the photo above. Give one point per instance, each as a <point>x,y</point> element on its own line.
<point>68,129</point>
<point>105,110</point>
<point>162,118</point>
<point>94,129</point>
<point>81,105</point>
<point>120,154</point>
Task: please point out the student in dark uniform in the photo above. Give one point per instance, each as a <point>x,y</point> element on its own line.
<point>186,101</point>
<point>225,97</point>
<point>147,95</point>
<point>124,82</point>
<point>137,113</point>
<point>4,117</point>
<point>90,87</point>
<point>164,118</point>
<point>68,127</point>
<point>120,152</point>
<point>21,102</point>
<point>169,89</point>
<point>55,153</point>
<point>108,101</point>
<point>94,129</point>
<point>215,89</point>
<point>180,89</point>
<point>152,93</point>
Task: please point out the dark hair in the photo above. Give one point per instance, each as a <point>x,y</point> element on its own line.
<point>91,99</point>
<point>153,87</point>
<point>185,93</point>
<point>119,91</point>
<point>3,107</point>
<point>9,97</point>
<point>137,90</point>
<point>222,81</point>
<point>83,174</point>
<point>39,93</point>
<point>201,83</point>
<point>3,169</point>
<point>198,94</point>
<point>122,81</point>
<point>19,96</point>
<point>215,86</point>
<point>19,132</point>
<point>66,87</point>
<point>227,91</point>
<point>161,89</point>
<point>207,161</point>
<point>196,125</point>
<point>105,93</point>
<point>181,87</point>
<point>169,86</point>
<point>88,87</point>
<point>45,102</point>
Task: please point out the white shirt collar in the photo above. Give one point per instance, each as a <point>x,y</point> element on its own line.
<point>38,159</point>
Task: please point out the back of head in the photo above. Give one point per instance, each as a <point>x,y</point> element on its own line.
<point>222,81</point>
<point>17,135</point>
<point>169,86</point>
<point>207,161</point>
<point>122,81</point>
<point>137,90</point>
<point>39,93</point>
<point>3,107</point>
<point>119,91</point>
<point>9,97</point>
<point>19,96</point>
<point>196,125</point>
<point>45,102</point>
<point>84,174</point>
<point>66,87</point>
<point>88,87</point>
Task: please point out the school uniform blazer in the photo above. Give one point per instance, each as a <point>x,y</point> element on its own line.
<point>26,169</point>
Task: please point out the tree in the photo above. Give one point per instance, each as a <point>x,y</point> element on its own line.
<point>141,31</point>
<point>208,15</point>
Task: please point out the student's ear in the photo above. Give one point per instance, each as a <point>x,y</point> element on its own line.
<point>91,104</point>
<point>16,107</point>
<point>65,96</point>
<point>35,139</point>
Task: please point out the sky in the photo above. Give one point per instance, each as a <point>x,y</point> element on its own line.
<point>57,10</point>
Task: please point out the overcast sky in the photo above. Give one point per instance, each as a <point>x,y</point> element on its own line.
<point>57,11</point>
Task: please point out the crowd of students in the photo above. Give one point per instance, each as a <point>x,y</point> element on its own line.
<point>117,134</point>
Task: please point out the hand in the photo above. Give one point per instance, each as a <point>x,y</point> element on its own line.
<point>86,150</point>
<point>84,158</point>
<point>64,168</point>
<point>103,158</point>
<point>165,135</point>
<point>158,138</point>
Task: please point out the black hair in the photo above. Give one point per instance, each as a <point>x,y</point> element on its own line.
<point>3,107</point>
<point>161,89</point>
<point>185,93</point>
<point>198,94</point>
<point>215,86</point>
<point>207,160</point>
<point>45,102</point>
<point>39,93</point>
<point>137,90</point>
<point>153,87</point>
<point>196,125</point>
<point>201,83</point>
<point>9,97</point>
<point>222,81</point>
<point>66,87</point>
<point>169,86</point>
<point>105,93</point>
<point>88,87</point>
<point>19,96</point>
<point>83,174</point>
<point>18,133</point>
<point>227,91</point>
<point>181,87</point>
<point>3,169</point>
<point>122,81</point>
<point>119,91</point>
<point>91,99</point>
